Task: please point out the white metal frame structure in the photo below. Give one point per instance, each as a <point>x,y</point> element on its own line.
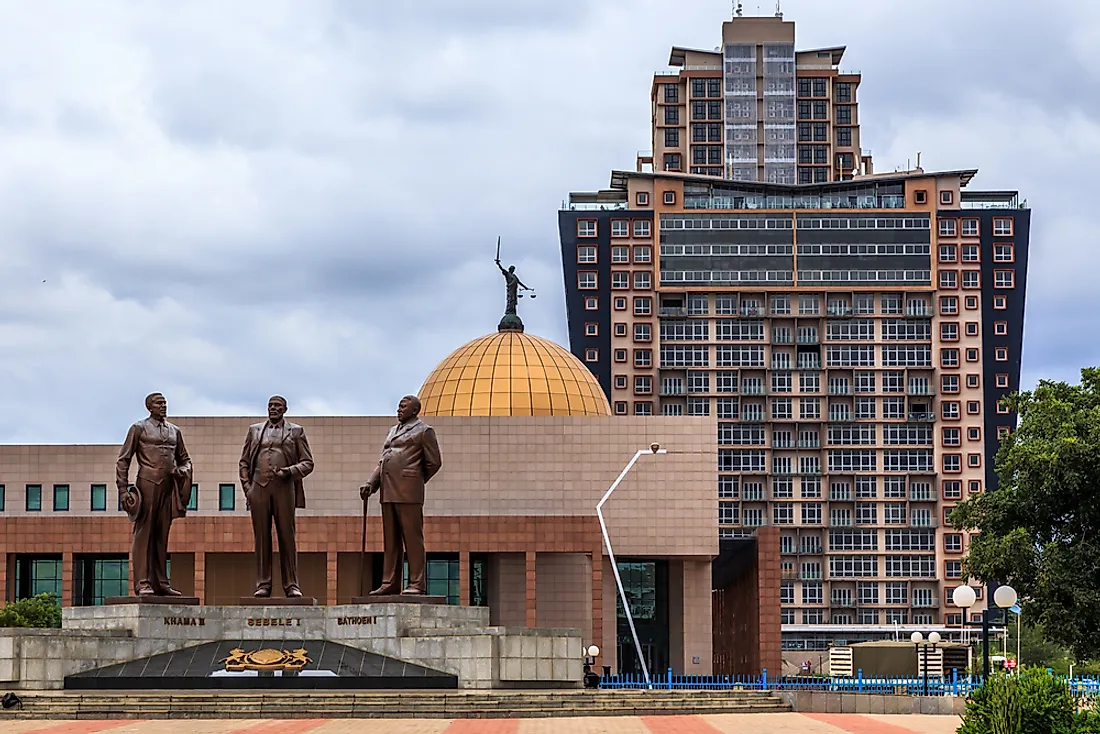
<point>653,449</point>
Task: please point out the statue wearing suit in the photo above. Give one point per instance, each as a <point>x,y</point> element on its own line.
<point>275,459</point>
<point>410,457</point>
<point>161,493</point>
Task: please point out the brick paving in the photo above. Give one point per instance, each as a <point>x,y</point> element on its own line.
<point>789,723</point>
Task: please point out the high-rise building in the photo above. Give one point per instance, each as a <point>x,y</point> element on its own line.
<point>851,337</point>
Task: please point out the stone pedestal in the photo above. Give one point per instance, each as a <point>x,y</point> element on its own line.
<point>277,601</point>
<point>400,599</point>
<point>450,639</point>
<point>185,600</point>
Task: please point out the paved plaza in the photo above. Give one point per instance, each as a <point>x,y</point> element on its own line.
<point>718,724</point>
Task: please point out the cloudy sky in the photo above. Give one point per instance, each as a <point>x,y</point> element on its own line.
<point>222,200</point>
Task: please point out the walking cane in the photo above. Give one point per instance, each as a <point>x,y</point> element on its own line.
<point>363,551</point>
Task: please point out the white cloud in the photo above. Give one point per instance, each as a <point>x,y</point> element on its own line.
<point>228,200</point>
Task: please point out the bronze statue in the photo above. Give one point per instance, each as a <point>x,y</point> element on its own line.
<point>275,459</point>
<point>410,457</point>
<point>160,493</point>
<point>511,320</point>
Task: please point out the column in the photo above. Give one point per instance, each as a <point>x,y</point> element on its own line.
<point>532,615</point>
<point>67,579</point>
<point>597,610</point>
<point>5,593</point>
<point>200,575</point>
<point>330,577</point>
<point>464,578</point>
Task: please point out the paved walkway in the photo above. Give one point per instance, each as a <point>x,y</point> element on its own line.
<point>719,724</point>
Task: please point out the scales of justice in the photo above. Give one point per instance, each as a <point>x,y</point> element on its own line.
<point>512,322</point>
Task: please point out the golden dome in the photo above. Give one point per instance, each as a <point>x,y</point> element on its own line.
<point>512,373</point>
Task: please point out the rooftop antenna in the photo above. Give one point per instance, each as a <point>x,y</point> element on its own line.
<point>737,11</point>
<point>778,12</point>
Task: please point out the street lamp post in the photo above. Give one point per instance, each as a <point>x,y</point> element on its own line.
<point>654,448</point>
<point>964,597</point>
<point>922,651</point>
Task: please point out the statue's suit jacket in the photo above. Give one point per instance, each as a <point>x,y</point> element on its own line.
<point>295,448</point>
<point>410,457</point>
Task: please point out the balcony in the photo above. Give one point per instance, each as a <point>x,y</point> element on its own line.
<point>810,550</point>
<point>782,339</point>
<point>788,573</point>
<point>672,312</point>
<point>921,390</point>
<point>811,471</point>
<point>839,310</point>
<point>922,417</point>
<point>750,388</point>
<point>808,339</point>
<point>840,389</point>
<point>920,311</point>
<point>783,444</point>
<point>809,444</point>
<point>809,364</point>
<point>840,495</point>
<point>836,416</point>
<point>933,603</point>
<point>810,575</point>
<point>752,311</point>
<point>671,392</point>
<point>845,602</point>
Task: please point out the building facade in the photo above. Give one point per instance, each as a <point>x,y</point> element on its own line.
<point>852,339</point>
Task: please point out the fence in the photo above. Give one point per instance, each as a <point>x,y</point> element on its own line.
<point>951,685</point>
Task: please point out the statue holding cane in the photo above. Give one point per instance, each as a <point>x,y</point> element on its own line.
<point>410,458</point>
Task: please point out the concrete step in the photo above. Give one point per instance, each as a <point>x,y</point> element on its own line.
<point>409,704</point>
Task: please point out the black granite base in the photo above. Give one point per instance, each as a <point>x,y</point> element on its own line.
<point>400,599</point>
<point>331,666</point>
<point>185,600</point>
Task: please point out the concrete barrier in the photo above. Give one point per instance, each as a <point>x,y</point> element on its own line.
<point>825,702</point>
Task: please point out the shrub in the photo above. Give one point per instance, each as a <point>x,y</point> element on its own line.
<point>1030,702</point>
<point>38,611</point>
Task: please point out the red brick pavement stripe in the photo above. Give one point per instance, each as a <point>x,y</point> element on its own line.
<point>857,724</point>
<point>679,725</point>
<point>83,727</point>
<point>288,726</point>
<point>483,726</point>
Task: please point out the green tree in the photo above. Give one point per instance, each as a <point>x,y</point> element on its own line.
<point>37,611</point>
<point>1040,531</point>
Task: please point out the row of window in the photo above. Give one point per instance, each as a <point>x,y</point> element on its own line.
<point>753,356</point>
<point>730,381</point>
<point>866,487</point>
<point>864,514</point>
<point>588,280</point>
<point>587,254</point>
<point>33,498</point>
<point>1002,253</point>
<point>864,592</point>
<point>1002,227</point>
<point>810,304</point>
<point>619,227</point>
<point>972,279</point>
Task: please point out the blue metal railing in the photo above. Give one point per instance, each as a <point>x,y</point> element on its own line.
<point>955,684</point>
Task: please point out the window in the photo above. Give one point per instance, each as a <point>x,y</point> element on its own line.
<point>1002,227</point>
<point>672,160</point>
<point>591,328</point>
<point>949,305</point>
<point>952,463</point>
<point>1000,303</point>
<point>946,197</point>
<point>643,385</point>
<point>2,497</point>
<point>586,254</point>
<point>947,228</point>
<point>1002,432</point>
<point>971,254</point>
<point>970,228</point>
<point>951,437</point>
<point>642,198</point>
<point>972,279</point>
<point>591,303</point>
<point>949,357</point>
<point>99,498</point>
<point>974,486</point>
<point>586,280</point>
<point>920,196</point>
<point>973,380</point>
<point>1002,408</point>
<point>620,228</point>
<point>620,254</point>
<point>974,433</point>
<point>620,355</point>
<point>586,227</point>
<point>670,199</point>
<point>1003,253</point>
<point>643,332</point>
<point>672,137</point>
<point>643,407</point>
<point>643,358</point>
<point>620,329</point>
<point>643,254</point>
<point>641,228</point>
<point>620,408</point>
<point>1002,380</point>
<point>971,303</point>
<point>949,253</point>
<point>952,489</point>
<point>1000,328</point>
<point>949,331</point>
<point>973,407</point>
<point>950,409</point>
<point>193,502</point>
<point>34,498</point>
<point>953,570</point>
<point>60,498</point>
<point>620,280</point>
<point>620,382</point>
<point>1004,278</point>
<point>974,460</point>
<point>1001,354</point>
<point>643,280</point>
<point>592,355</point>
<point>972,355</point>
<point>949,383</point>
<point>971,328</point>
<point>643,305</point>
<point>949,279</point>
<point>227,497</point>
